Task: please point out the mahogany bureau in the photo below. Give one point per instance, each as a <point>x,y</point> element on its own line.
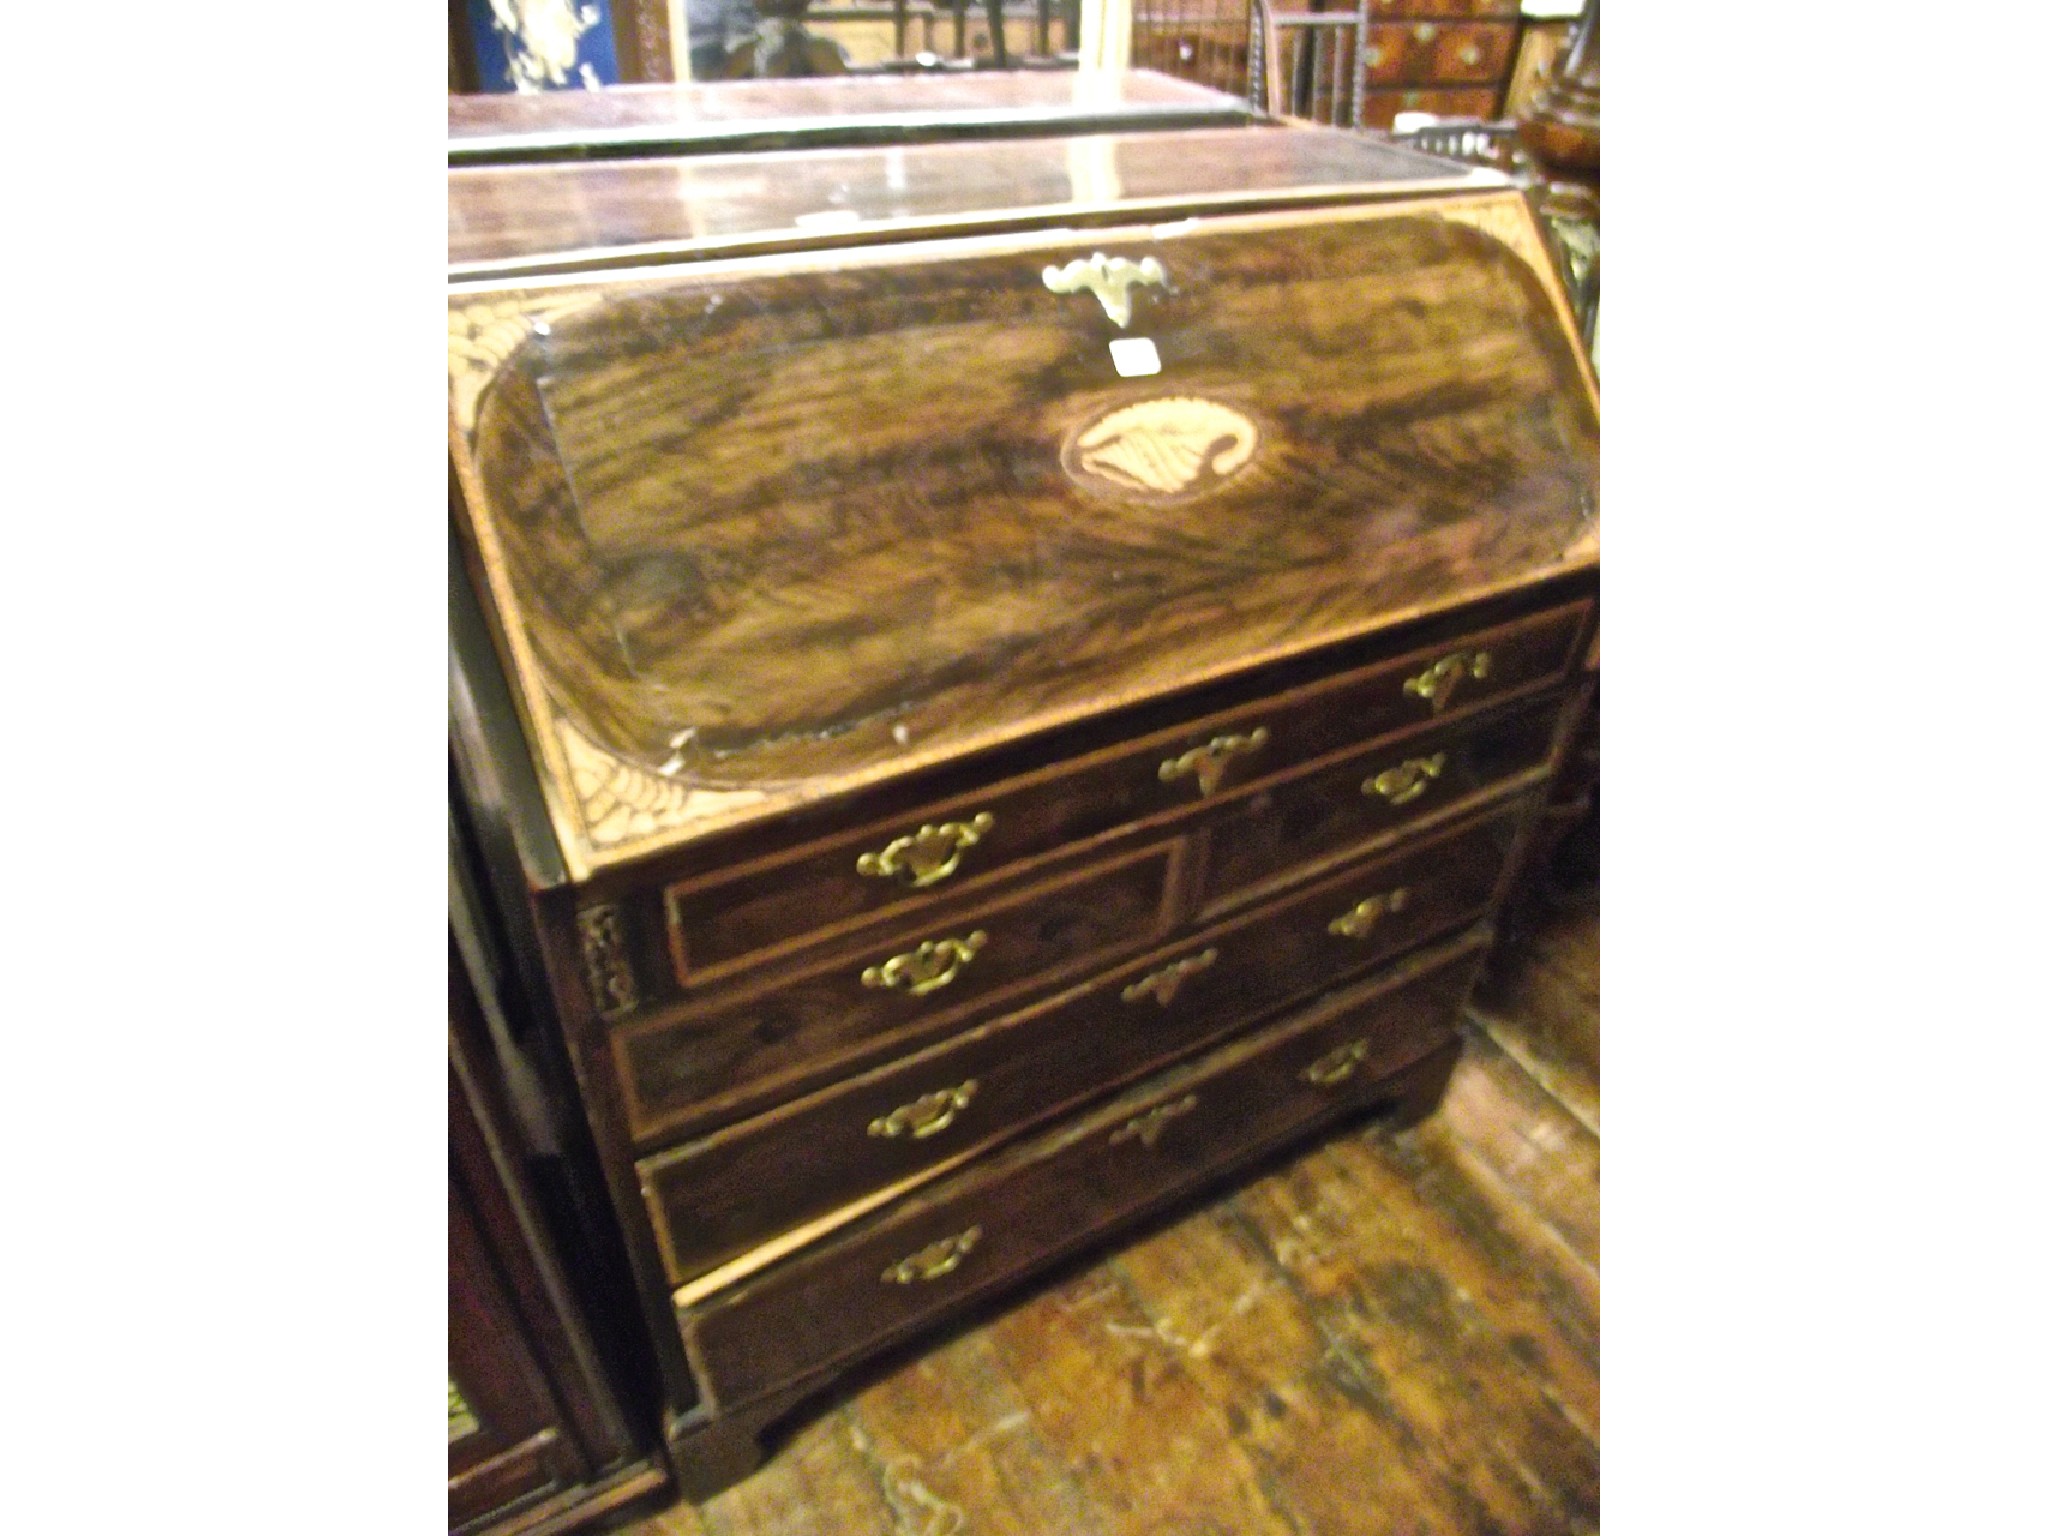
<point>1018,674</point>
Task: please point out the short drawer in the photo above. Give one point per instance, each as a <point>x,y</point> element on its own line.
<point>713,1199</point>
<point>926,1255</point>
<point>724,922</point>
<point>711,1062</point>
<point>1323,815</point>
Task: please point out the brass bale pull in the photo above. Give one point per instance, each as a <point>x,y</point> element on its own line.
<point>1164,982</point>
<point>925,1116</point>
<point>1400,785</point>
<point>928,855</point>
<point>1359,921</point>
<point>1109,278</point>
<point>1437,681</point>
<point>934,1261</point>
<point>1208,761</point>
<point>1146,1127</point>
<point>1332,1069</point>
<point>926,968</point>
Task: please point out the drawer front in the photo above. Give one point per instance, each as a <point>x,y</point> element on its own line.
<point>1436,53</point>
<point>712,1061</point>
<point>729,920</point>
<point>1382,108</point>
<point>714,1199</point>
<point>938,1249</point>
<point>1367,796</point>
<point>1447,10</point>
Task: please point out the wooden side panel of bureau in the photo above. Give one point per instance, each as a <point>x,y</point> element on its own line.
<point>1029,720</point>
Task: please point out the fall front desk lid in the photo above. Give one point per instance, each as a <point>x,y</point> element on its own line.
<point>761,531</point>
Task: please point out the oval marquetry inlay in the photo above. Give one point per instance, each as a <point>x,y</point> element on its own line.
<point>1162,450</point>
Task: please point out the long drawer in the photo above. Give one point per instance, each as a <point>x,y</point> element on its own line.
<point>729,920</point>
<point>710,1061</point>
<point>937,1249</point>
<point>714,1198</point>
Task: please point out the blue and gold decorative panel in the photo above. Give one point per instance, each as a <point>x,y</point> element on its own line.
<point>543,45</point>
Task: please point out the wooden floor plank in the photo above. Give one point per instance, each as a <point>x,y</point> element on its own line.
<point>1148,1451</point>
<point>1330,1459</point>
<point>1393,1321</point>
<point>1540,1002</point>
<point>959,1448</point>
<point>1532,1143</point>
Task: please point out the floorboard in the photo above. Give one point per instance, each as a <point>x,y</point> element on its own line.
<point>1383,1334</point>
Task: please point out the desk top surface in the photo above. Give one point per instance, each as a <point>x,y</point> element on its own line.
<point>638,120</point>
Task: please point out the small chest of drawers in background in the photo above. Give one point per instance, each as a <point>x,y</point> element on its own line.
<point>1013,708</point>
<point>1448,57</point>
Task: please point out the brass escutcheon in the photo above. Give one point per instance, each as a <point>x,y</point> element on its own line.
<point>1400,785</point>
<point>1161,985</point>
<point>928,855</point>
<point>1208,761</point>
<point>1358,922</point>
<point>933,1261</point>
<point>925,1116</point>
<point>926,968</point>
<point>1437,681</point>
<point>1109,278</point>
<point>1146,1127</point>
<point>1327,1071</point>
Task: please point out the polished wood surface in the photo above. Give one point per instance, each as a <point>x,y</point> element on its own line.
<point>753,115</point>
<point>1381,1336</point>
<point>1401,383</point>
<point>511,219</point>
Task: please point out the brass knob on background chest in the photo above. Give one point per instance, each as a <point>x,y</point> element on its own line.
<point>934,1261</point>
<point>925,1116</point>
<point>928,855</point>
<point>1360,920</point>
<point>1208,761</point>
<point>1329,1070</point>
<point>1440,679</point>
<point>1399,785</point>
<point>1161,985</point>
<point>926,968</point>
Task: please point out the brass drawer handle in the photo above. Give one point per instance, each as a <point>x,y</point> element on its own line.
<point>1426,33</point>
<point>1329,1070</point>
<point>1146,1127</point>
<point>1359,921</point>
<point>1400,785</point>
<point>926,968</point>
<point>934,1261</point>
<point>1470,54</point>
<point>925,1116</point>
<point>928,855</point>
<point>1161,985</point>
<point>1208,761</point>
<point>1437,681</point>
